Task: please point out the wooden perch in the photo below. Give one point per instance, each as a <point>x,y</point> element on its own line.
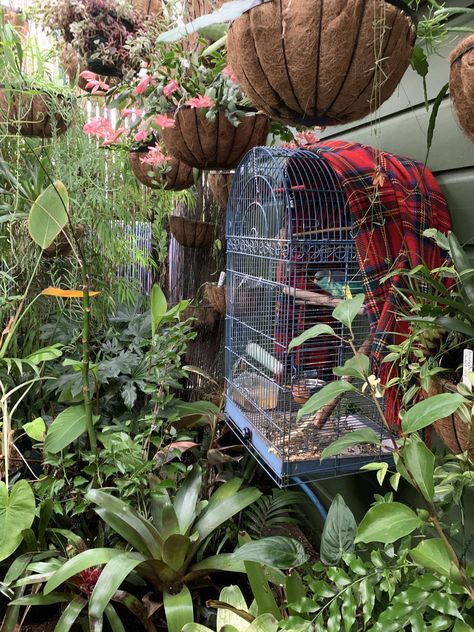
<point>315,298</point>
<point>324,413</point>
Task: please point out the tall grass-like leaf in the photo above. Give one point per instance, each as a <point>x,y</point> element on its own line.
<point>158,307</point>
<point>258,582</point>
<point>186,498</point>
<point>463,267</point>
<point>110,579</point>
<point>70,614</point>
<point>115,623</point>
<point>178,609</point>
<point>79,563</point>
<point>433,116</point>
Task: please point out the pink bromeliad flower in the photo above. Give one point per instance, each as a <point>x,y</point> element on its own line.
<point>170,88</point>
<point>100,127</point>
<point>228,72</point>
<point>143,84</point>
<point>200,102</point>
<point>130,112</point>
<point>94,84</point>
<point>141,135</point>
<point>155,157</point>
<point>114,136</point>
<point>164,121</point>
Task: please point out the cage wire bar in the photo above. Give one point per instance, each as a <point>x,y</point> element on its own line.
<point>291,258</point>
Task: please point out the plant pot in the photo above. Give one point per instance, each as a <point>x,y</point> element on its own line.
<point>218,145</point>
<point>178,178</point>
<point>313,62</point>
<point>28,113</point>
<point>191,232</point>
<point>216,297</point>
<point>61,246</point>
<point>220,185</point>
<point>461,84</point>
<point>204,316</point>
<point>452,430</point>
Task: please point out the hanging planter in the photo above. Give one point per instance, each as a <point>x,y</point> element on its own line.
<point>203,144</point>
<point>321,63</point>
<point>30,113</point>
<point>220,185</point>
<point>461,84</point>
<point>216,296</point>
<point>191,232</point>
<point>179,177</point>
<point>453,431</point>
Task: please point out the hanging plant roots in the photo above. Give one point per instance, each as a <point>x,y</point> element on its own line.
<point>461,84</point>
<point>220,185</point>
<point>178,178</point>
<point>191,232</point>
<point>29,114</point>
<point>61,246</point>
<point>218,145</point>
<point>321,63</point>
<point>216,297</point>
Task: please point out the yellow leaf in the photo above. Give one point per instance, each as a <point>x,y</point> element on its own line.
<point>57,291</point>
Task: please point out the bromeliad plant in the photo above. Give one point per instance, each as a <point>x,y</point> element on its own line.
<point>166,549</point>
<point>418,577</point>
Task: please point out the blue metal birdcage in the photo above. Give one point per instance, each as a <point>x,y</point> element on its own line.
<point>291,259</point>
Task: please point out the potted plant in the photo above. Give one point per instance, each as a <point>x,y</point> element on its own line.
<point>32,102</point>
<point>100,31</point>
<point>220,184</point>
<point>200,112</point>
<point>192,233</point>
<point>461,84</point>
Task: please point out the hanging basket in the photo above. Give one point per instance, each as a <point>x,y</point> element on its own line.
<point>452,430</point>
<point>29,113</point>
<point>191,232</point>
<point>216,297</point>
<point>204,316</point>
<point>220,185</point>
<point>314,62</point>
<point>178,178</point>
<point>461,84</point>
<point>218,145</point>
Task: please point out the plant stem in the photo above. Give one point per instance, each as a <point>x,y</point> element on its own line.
<point>85,362</point>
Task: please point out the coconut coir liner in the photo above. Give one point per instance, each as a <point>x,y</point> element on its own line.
<point>220,185</point>
<point>461,84</point>
<point>178,178</point>
<point>314,62</point>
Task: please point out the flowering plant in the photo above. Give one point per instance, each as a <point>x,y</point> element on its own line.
<point>176,79</point>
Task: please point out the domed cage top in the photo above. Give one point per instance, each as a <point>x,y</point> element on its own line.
<point>291,258</point>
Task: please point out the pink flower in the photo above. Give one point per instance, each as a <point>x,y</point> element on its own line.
<point>96,86</point>
<point>171,87</point>
<point>307,138</point>
<point>164,121</point>
<point>228,72</point>
<point>114,136</point>
<point>88,74</point>
<point>155,157</point>
<point>130,112</point>
<point>141,135</point>
<point>102,128</point>
<point>143,84</point>
<point>200,102</point>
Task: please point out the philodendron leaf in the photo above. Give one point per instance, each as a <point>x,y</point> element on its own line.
<point>433,555</point>
<point>310,334</point>
<point>339,532</point>
<point>35,429</point>
<point>17,512</point>
<point>68,426</point>
<point>387,523</point>
<point>347,310</point>
<point>429,410</point>
<point>49,214</point>
<point>324,396</point>
<point>277,551</point>
<point>364,435</point>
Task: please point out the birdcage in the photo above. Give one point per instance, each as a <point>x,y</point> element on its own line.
<point>291,259</point>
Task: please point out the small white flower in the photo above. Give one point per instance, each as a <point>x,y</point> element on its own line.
<point>374,384</point>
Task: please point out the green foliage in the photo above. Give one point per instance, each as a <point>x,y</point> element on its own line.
<point>273,510</point>
<point>17,512</point>
<point>49,214</point>
<point>339,532</point>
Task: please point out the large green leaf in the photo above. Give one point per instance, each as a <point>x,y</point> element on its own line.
<point>433,555</point>
<point>114,620</point>
<point>17,512</point>
<point>128,523</point>
<point>310,334</point>
<point>158,307</point>
<point>178,609</point>
<point>186,498</point>
<point>339,532</point>
<point>358,367</point>
<point>70,614</point>
<point>68,426</point>
<point>111,577</point>
<point>327,394</point>
<point>387,522</point>
<point>364,435</point>
<point>233,596</point>
<point>218,513</point>
<point>429,410</point>
<point>225,491</point>
<point>276,551</point>
<point>41,599</point>
<point>420,464</point>
<point>175,550</point>
<point>263,623</point>
<point>49,214</point>
<point>261,590</point>
<point>79,563</point>
<point>346,311</point>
